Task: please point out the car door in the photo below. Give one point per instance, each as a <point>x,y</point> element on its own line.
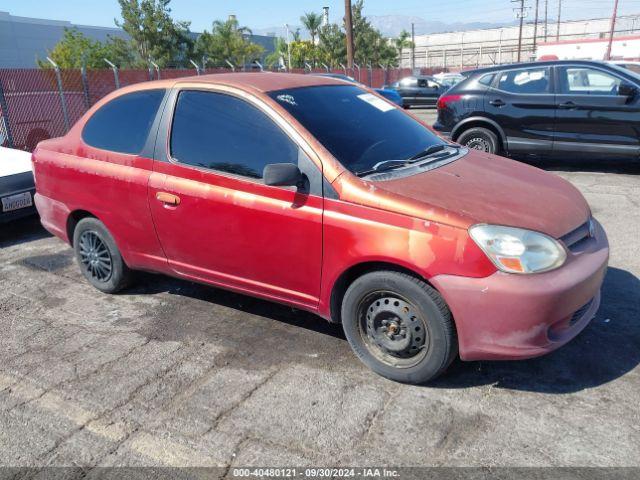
<point>594,117</point>
<point>428,91</point>
<point>216,220</point>
<point>408,90</point>
<point>521,101</point>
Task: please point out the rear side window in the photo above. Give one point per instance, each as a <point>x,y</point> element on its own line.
<point>225,133</point>
<point>525,81</point>
<point>122,125</point>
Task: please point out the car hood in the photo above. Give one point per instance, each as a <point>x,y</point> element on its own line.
<point>485,188</point>
<point>13,162</point>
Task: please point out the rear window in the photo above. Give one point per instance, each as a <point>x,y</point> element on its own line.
<point>358,128</point>
<point>122,125</point>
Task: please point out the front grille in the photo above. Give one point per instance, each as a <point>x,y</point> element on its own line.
<point>574,237</point>
<point>578,314</point>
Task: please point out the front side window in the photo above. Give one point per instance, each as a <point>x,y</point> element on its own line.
<point>358,128</point>
<point>408,82</point>
<point>588,81</point>
<point>427,83</point>
<point>525,81</point>
<point>122,125</point>
<point>225,133</point>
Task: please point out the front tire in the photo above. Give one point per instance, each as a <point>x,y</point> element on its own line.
<point>479,138</point>
<point>399,326</point>
<point>98,256</point>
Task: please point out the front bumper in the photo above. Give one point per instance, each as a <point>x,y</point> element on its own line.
<point>506,316</point>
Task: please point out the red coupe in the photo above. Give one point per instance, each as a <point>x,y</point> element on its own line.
<point>324,196</point>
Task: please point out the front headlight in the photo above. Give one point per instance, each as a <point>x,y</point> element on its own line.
<point>515,250</point>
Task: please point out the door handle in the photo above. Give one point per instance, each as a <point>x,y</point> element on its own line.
<point>168,198</point>
<point>567,105</point>
<point>497,103</point>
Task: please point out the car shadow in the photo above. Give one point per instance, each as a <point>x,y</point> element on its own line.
<point>606,350</point>
<point>156,283</point>
<point>20,231</point>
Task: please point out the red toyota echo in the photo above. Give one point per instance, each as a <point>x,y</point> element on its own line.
<point>320,194</point>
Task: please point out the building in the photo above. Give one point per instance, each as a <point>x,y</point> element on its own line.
<point>24,39</point>
<point>475,48</point>
<point>622,48</point>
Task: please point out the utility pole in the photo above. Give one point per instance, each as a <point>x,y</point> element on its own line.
<point>348,26</point>
<point>613,29</point>
<point>546,19</point>
<point>559,15</point>
<point>413,47</point>
<point>535,29</point>
<point>520,13</point>
<point>286,25</point>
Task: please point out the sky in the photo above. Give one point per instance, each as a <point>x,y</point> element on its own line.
<point>261,14</point>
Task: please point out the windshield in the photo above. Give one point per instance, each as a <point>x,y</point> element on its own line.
<point>360,129</point>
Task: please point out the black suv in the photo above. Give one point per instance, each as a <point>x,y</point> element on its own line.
<point>546,108</point>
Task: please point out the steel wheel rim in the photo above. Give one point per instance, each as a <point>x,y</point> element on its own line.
<point>479,144</point>
<point>95,256</point>
<point>393,329</point>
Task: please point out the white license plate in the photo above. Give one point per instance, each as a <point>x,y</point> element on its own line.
<point>17,201</point>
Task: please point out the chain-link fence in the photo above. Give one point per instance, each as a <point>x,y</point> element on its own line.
<point>36,104</point>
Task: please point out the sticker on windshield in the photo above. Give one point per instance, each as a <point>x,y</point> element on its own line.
<point>288,99</point>
<point>377,102</point>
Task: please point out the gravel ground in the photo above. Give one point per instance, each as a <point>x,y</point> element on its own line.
<point>176,374</point>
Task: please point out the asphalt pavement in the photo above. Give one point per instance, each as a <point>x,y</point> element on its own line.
<point>171,373</point>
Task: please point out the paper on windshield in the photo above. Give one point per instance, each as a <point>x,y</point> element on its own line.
<point>377,102</point>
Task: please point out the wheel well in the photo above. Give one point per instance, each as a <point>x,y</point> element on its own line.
<point>73,219</point>
<point>351,274</point>
<point>479,123</point>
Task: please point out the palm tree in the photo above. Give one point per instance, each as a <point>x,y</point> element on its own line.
<point>228,41</point>
<point>403,41</point>
<point>312,22</point>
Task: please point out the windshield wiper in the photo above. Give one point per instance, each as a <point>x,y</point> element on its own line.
<point>386,165</point>
<point>382,167</point>
<point>431,150</point>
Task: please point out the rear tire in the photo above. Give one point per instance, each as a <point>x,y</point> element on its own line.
<point>480,138</point>
<point>399,326</point>
<point>98,256</point>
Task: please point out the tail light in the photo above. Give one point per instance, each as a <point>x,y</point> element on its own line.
<point>445,100</point>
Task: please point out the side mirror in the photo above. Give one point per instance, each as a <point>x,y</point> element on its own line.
<point>627,90</point>
<point>282,175</point>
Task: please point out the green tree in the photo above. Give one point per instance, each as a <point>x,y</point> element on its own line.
<point>369,44</point>
<point>279,54</point>
<point>332,45</point>
<point>75,50</point>
<point>154,34</point>
<point>228,41</point>
<point>312,22</point>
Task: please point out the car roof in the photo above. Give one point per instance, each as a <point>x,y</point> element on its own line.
<point>418,77</point>
<point>548,63</point>
<point>256,81</point>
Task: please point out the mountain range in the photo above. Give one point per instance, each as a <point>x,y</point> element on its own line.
<point>392,25</point>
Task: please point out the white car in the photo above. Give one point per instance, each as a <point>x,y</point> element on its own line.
<point>17,187</point>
